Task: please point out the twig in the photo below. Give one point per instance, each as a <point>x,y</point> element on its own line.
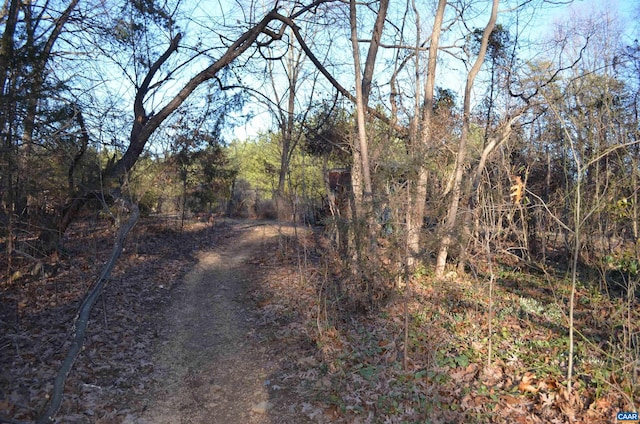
<point>25,254</point>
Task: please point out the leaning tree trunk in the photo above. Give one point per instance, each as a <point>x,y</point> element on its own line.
<point>145,125</point>
<point>82,320</point>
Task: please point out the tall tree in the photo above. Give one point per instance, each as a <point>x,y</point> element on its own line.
<point>415,215</point>
<point>361,168</point>
<point>289,103</point>
<point>452,213</point>
<point>30,34</point>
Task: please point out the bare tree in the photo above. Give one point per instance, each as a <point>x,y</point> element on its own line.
<point>27,47</point>
<point>286,103</point>
<point>145,123</point>
<point>417,201</point>
<point>361,169</point>
<point>452,214</point>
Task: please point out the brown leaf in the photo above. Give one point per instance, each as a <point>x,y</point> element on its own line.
<point>510,400</point>
<point>332,412</point>
<point>527,385</point>
<point>492,375</point>
<point>470,401</point>
<point>465,374</point>
<point>547,398</point>
<point>602,403</point>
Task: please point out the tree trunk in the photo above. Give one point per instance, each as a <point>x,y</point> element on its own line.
<point>448,235</point>
<point>363,89</point>
<point>417,202</point>
<point>33,61</point>
<point>84,140</point>
<point>287,122</point>
<point>82,320</point>
<point>363,226</point>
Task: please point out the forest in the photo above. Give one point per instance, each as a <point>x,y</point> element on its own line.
<point>461,178</point>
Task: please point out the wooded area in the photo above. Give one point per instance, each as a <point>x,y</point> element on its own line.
<point>464,159</point>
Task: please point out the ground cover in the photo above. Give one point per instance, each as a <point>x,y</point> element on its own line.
<point>248,321</point>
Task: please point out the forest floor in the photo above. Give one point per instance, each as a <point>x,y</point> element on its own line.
<point>177,337</point>
<point>254,322</point>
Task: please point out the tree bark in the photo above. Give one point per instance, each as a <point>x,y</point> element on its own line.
<point>372,53</point>
<point>84,140</point>
<point>8,112</point>
<point>286,121</point>
<point>361,171</point>
<point>82,320</point>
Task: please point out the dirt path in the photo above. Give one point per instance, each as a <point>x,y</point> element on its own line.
<point>212,364</point>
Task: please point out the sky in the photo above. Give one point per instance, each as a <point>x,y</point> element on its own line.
<point>542,26</point>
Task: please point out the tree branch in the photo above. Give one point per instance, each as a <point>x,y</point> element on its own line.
<point>82,319</point>
<point>296,31</point>
<point>138,104</point>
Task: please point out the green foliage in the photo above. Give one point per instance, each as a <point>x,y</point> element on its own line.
<point>328,133</point>
<point>499,42</point>
<point>622,209</point>
<point>626,262</point>
<point>133,23</point>
<point>197,175</point>
<point>368,372</point>
<point>549,311</point>
<point>151,184</point>
<point>258,162</point>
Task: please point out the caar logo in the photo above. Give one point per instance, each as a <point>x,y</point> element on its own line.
<point>627,416</point>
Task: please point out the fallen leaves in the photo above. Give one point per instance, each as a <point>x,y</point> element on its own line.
<point>528,383</point>
<point>348,366</point>
<point>492,375</point>
<point>35,317</point>
<point>465,374</point>
<point>261,407</point>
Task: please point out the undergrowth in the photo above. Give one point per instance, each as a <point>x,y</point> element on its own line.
<point>360,373</point>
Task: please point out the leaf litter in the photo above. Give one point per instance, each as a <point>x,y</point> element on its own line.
<point>318,360</point>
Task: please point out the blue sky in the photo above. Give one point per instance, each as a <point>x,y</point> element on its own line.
<point>542,26</point>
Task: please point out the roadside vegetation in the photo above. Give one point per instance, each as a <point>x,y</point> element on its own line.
<point>452,349</point>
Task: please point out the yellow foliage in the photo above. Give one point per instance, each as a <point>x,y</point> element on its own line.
<point>517,190</point>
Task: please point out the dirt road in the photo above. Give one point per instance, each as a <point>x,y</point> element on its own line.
<point>212,362</point>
